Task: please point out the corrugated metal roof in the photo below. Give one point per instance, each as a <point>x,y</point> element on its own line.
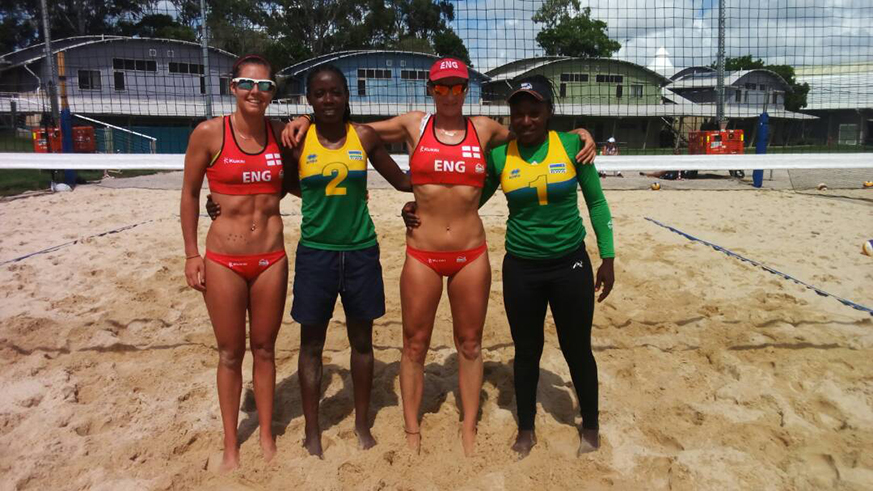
<point>710,79</point>
<point>518,68</point>
<point>34,53</point>
<point>848,86</point>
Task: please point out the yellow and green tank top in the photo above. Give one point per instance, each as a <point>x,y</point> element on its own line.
<point>333,187</point>
<point>540,187</point>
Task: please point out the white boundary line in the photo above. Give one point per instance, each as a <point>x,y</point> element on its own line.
<point>95,161</point>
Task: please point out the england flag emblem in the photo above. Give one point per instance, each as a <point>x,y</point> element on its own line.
<point>471,152</point>
<point>273,159</point>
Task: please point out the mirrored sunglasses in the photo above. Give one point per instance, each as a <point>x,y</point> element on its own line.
<point>457,89</point>
<point>249,84</point>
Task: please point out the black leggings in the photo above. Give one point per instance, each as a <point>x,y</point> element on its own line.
<point>567,285</point>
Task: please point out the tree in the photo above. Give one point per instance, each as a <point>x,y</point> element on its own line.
<point>447,43</point>
<point>570,31</point>
<point>17,30</point>
<point>157,26</point>
<point>795,99</point>
<point>422,25</point>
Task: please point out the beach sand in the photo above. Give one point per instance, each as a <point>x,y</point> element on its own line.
<point>714,374</point>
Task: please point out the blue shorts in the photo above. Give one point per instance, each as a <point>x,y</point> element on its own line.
<point>320,275</point>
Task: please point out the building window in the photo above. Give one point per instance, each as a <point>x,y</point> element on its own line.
<point>136,65</point>
<point>775,98</point>
<point>563,90</point>
<point>413,74</point>
<point>636,90</point>
<point>375,73</point>
<point>362,88</point>
<point>618,91</point>
<point>746,96</point>
<point>190,68</point>
<point>89,80</point>
<point>750,86</point>
<point>612,79</point>
<point>739,97</point>
<point>574,77</point>
<point>119,80</point>
<point>202,85</point>
<point>223,86</point>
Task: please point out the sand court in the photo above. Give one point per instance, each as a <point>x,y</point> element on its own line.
<point>714,374</point>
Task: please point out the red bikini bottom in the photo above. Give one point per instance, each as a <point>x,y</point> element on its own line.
<point>447,263</point>
<point>249,267</point>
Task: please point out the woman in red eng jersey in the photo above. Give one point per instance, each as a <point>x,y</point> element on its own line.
<point>245,261</point>
<point>447,166</point>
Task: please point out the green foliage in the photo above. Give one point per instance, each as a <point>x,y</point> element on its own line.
<point>285,31</point>
<point>16,30</point>
<point>157,26</point>
<point>570,31</point>
<point>795,100</point>
<point>447,43</point>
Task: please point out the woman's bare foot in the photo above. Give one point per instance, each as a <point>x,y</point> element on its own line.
<point>589,441</point>
<point>229,459</point>
<point>365,438</point>
<point>468,440</point>
<point>413,441</point>
<point>268,447</point>
<point>524,442</point>
<point>312,443</point>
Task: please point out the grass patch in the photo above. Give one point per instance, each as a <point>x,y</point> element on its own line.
<point>12,143</point>
<point>17,181</point>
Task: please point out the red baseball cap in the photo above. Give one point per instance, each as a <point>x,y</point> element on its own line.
<point>448,67</point>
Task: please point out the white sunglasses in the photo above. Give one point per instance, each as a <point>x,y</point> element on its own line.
<point>249,84</point>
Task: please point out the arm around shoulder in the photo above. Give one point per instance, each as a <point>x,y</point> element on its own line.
<point>398,129</point>
<point>381,159</point>
<point>491,133</point>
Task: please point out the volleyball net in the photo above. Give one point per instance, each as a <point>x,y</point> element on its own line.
<point>659,79</point>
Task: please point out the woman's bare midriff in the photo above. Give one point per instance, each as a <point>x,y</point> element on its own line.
<point>449,218</point>
<point>248,224</point>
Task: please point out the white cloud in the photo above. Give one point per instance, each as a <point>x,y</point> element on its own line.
<point>796,32</point>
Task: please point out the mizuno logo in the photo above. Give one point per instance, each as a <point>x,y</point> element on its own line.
<point>579,264</point>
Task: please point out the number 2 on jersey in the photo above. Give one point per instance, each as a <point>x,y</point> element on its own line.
<point>339,172</point>
<point>541,186</point>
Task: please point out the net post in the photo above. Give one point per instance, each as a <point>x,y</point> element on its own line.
<point>204,41</point>
<point>719,103</point>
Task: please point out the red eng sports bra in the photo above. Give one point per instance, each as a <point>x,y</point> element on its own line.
<point>434,162</point>
<point>234,171</point>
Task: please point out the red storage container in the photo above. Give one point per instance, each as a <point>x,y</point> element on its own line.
<point>716,142</point>
<point>39,140</point>
<point>83,139</point>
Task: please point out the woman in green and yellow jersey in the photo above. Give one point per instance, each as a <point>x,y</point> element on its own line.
<point>337,254</point>
<point>546,263</point>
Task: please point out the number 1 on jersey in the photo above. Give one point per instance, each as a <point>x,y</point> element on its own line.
<point>339,173</point>
<point>541,186</point>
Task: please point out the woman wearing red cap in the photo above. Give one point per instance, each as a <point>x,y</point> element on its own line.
<point>546,262</point>
<point>448,169</point>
